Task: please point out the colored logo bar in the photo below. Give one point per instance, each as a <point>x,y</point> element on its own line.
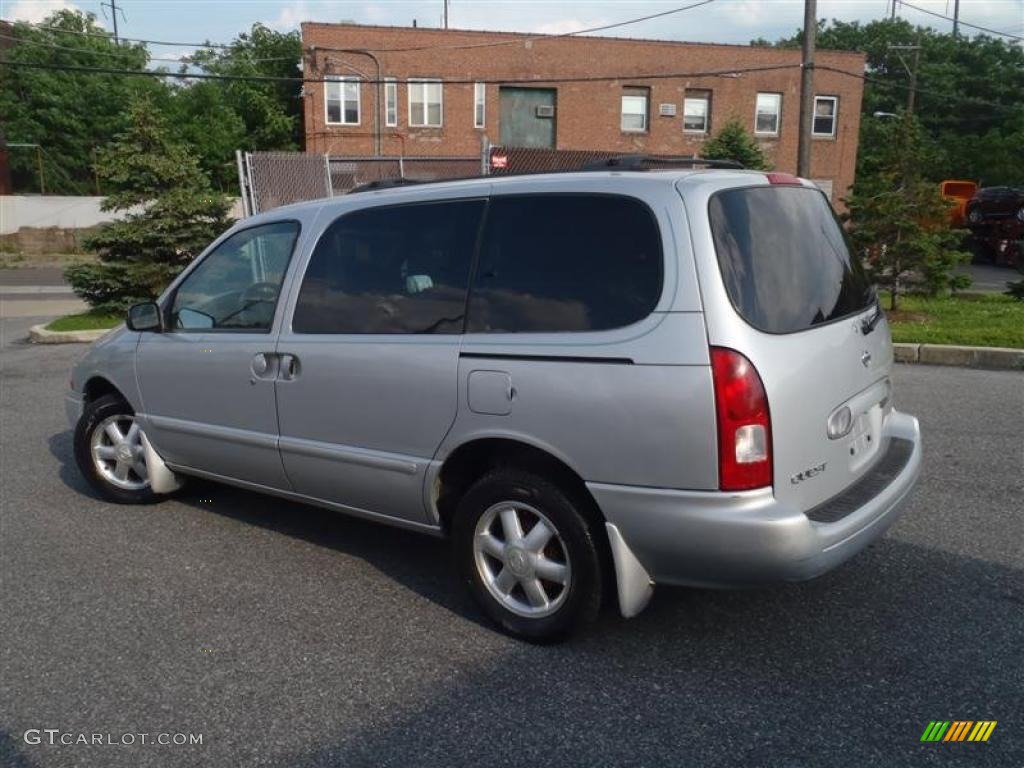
<point>958,730</point>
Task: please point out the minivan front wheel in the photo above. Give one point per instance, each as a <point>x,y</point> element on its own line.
<point>527,555</point>
<point>109,451</point>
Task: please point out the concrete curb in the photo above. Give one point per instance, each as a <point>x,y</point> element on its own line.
<point>999,358</point>
<point>38,334</point>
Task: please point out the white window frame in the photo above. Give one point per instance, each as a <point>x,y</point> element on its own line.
<point>778,112</point>
<point>835,116</point>
<point>390,102</point>
<point>419,84</point>
<point>340,82</point>
<point>635,92</point>
<point>706,99</point>
<point>479,105</point>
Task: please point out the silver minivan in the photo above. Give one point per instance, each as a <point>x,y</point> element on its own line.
<point>589,381</point>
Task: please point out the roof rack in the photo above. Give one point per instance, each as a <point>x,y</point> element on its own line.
<point>643,162</point>
<point>616,162</point>
<point>371,186</point>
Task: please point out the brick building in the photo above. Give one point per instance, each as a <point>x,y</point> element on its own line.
<point>432,92</point>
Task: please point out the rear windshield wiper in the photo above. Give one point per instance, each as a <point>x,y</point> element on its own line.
<point>868,323</point>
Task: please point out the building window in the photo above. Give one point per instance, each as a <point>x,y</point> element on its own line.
<point>390,101</point>
<point>697,112</point>
<point>634,109</point>
<point>342,97</point>
<point>479,104</point>
<point>766,117</point>
<point>425,103</point>
<point>826,108</point>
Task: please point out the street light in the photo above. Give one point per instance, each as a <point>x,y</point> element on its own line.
<point>884,114</point>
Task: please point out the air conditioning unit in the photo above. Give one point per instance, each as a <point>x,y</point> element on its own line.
<point>667,110</point>
<point>544,110</point>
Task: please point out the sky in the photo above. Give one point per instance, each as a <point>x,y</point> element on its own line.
<point>722,21</point>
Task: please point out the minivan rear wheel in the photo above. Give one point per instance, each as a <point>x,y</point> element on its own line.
<point>109,452</point>
<point>527,555</point>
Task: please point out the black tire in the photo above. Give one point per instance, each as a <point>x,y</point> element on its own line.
<point>94,414</point>
<point>583,592</point>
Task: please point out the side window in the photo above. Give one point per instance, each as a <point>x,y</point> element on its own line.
<point>397,269</point>
<point>236,286</point>
<point>566,262</point>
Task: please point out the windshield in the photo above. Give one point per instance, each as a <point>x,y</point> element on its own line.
<point>784,258</point>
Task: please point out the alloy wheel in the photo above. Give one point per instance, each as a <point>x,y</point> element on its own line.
<point>522,559</point>
<point>117,452</point>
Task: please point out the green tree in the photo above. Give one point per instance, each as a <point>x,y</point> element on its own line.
<point>202,118</point>
<point>271,111</point>
<point>970,100</point>
<point>170,213</point>
<point>67,113</point>
<point>898,220</point>
<point>734,142</point>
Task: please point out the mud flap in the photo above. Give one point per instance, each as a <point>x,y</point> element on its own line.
<point>634,584</point>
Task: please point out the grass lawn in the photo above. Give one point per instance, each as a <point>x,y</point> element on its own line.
<point>979,320</point>
<point>87,321</point>
<point>18,260</point>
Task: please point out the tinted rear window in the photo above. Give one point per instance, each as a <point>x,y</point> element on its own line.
<point>393,269</point>
<point>785,259</point>
<point>566,262</point>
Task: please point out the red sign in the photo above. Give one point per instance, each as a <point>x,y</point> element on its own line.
<point>499,161</point>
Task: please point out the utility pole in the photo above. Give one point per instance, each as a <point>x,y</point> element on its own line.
<point>908,116</point>
<point>956,17</point>
<point>892,15</point>
<point>803,163</point>
<point>912,72</point>
<point>114,10</point>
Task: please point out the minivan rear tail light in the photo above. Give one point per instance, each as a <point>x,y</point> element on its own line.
<point>744,423</point>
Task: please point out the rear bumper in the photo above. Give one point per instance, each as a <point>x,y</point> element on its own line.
<point>723,539</point>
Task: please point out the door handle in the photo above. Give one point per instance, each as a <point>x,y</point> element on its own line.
<point>289,367</point>
<point>262,366</point>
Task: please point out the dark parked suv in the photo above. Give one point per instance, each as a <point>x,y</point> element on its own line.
<point>992,203</point>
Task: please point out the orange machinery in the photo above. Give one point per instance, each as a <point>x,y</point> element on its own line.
<point>958,193</point>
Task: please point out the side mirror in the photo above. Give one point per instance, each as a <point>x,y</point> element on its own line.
<point>144,317</point>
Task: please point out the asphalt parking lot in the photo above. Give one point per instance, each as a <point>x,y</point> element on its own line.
<point>291,636</point>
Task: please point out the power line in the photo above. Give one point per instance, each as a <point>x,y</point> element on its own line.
<point>106,36</point>
<point>904,87</point>
<point>960,22</point>
<point>179,60</point>
<point>499,81</point>
<point>456,46</point>
<point>531,38</point>
<point>371,81</point>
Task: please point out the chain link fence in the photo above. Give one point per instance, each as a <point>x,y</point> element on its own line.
<point>271,179</point>
<point>506,161</point>
<point>347,173</point>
